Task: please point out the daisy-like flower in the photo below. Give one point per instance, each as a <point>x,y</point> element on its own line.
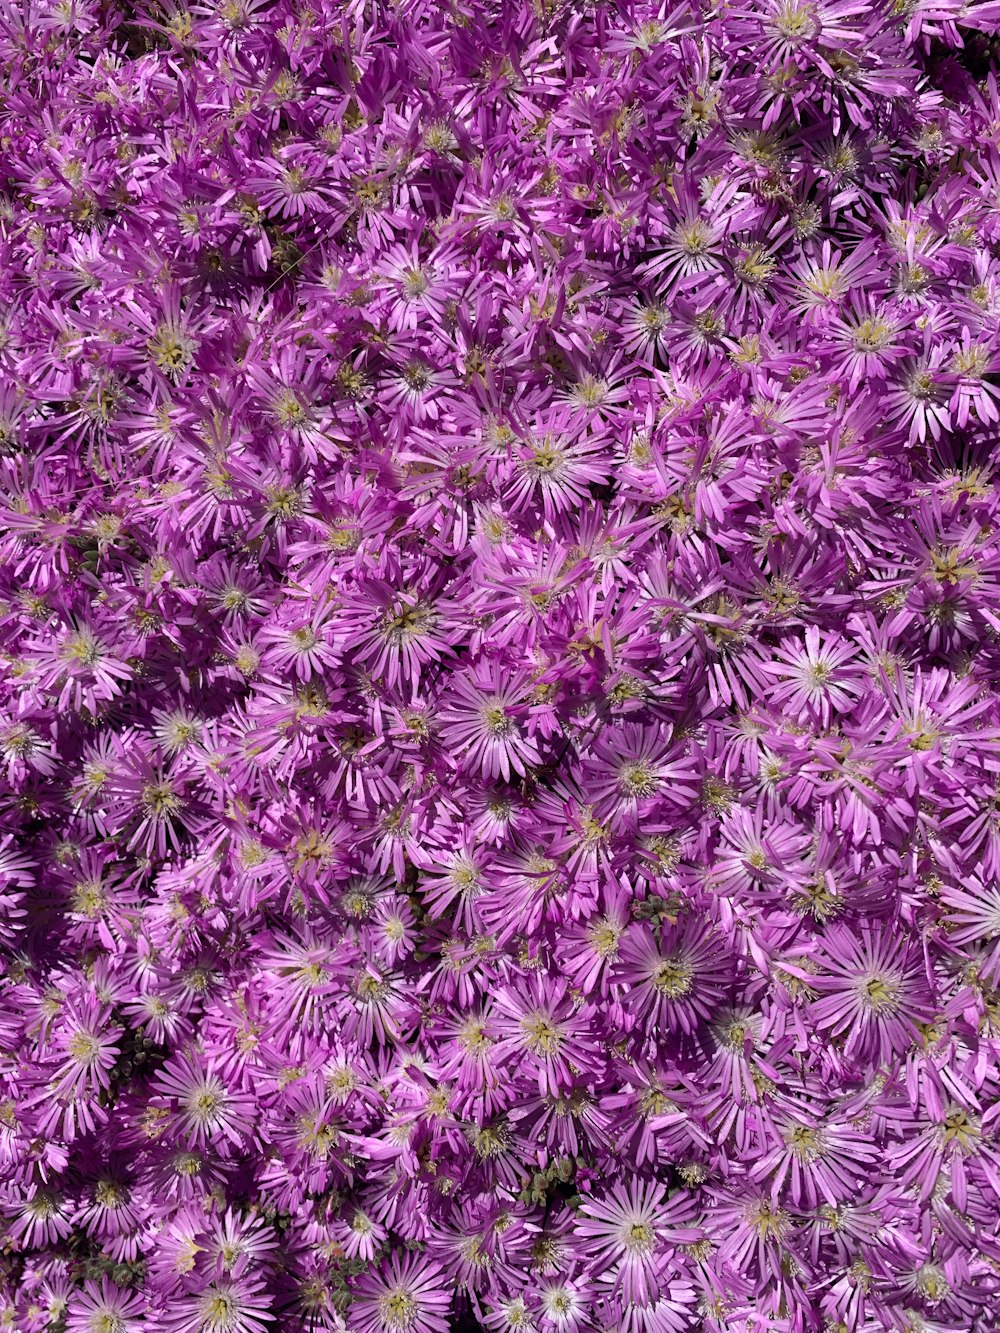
<point>510,1315</point>
<point>598,395</point>
<point>676,982</point>
<point>239,1241</point>
<point>234,591</point>
<point>360,1235</point>
<point>817,678</point>
<point>17,871</point>
<point>974,917</point>
<point>644,327</point>
<point>456,882</point>
<point>631,1232</point>
<point>918,398</point>
<point>23,748</point>
<point>302,646</point>
<point>151,797</point>
<point>176,730</point>
<point>558,469</point>
<point>634,766</point>
<point>974,365</point>
<point>203,1108</point>
<point>81,667</point>
<point>400,630</point>
<point>172,333</point>
<point>593,946</point>
<point>87,1047</point>
<point>41,1217</point>
<point>224,1305</point>
<point>693,245</point>
<point>414,388</point>
<point>407,1295</point>
<point>564,1305</point>
<point>817,1160</point>
<point>754,851</point>
<point>468,1055</point>
<point>393,929</point>
<point>866,342</point>
<point>291,186</point>
<point>873,992</point>
<point>755,1234</point>
<point>105,1308</point>
<point>416,289</point>
<point>483,719</point>
<point>823,280</point>
<point>540,1026</point>
<point>112,1214</point>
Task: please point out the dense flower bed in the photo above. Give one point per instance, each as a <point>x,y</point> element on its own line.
<point>499,657</point>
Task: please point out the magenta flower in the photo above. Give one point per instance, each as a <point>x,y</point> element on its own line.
<point>407,1296</point>
<point>203,1109</point>
<point>816,677</point>
<point>636,768</point>
<point>499,658</point>
<point>539,1027</point>
<point>105,1306</point>
<point>81,668</point>
<point>676,982</point>
<point>873,993</point>
<point>631,1233</point>
<point>483,719</point>
<point>236,1305</point>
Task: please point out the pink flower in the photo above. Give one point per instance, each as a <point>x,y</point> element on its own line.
<point>106,1306</point>
<point>631,1232</point>
<point>483,718</point>
<point>818,677</point>
<point>406,1294</point>
<point>203,1109</point>
<point>873,992</point>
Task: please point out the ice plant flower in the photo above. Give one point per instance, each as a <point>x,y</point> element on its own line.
<point>499,708</point>
<point>484,718</point>
<point>632,1232</point>
<point>872,991</point>
<point>409,1296</point>
<point>100,1307</point>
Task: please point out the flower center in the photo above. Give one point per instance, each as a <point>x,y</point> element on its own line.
<point>87,898</point>
<point>415,283</point>
<point>542,1035</point>
<point>638,1237</point>
<point>84,1047</point>
<point>637,781</point>
<point>496,721</point>
<point>604,937</point>
<point>872,335</point>
<point>805,1142</point>
<point>881,993</point>
<point>159,799</point>
<point>767,1220</point>
<point>83,648</point>
<point>472,1037</point>
<point>673,977</point>
<point>107,1322</point>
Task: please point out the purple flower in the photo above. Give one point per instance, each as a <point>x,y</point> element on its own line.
<point>499,612</point>
<point>482,719</point>
<point>408,1296</point>
<point>873,993</point>
<point>202,1107</point>
<point>631,1233</point>
<point>105,1306</point>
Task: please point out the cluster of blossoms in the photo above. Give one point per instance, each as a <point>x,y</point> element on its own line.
<point>499,666</point>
